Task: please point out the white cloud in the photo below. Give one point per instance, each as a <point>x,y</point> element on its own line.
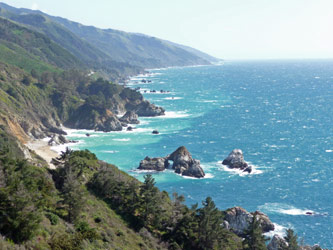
<point>34,6</point>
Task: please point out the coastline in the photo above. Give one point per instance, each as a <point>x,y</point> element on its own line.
<point>43,149</point>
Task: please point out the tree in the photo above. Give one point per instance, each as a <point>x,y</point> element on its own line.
<point>291,239</point>
<point>150,203</point>
<point>73,195</point>
<point>255,239</point>
<point>210,220</point>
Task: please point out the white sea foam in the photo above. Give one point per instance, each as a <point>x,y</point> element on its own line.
<point>285,209</point>
<point>239,172</point>
<point>278,229</point>
<point>156,92</point>
<point>122,139</point>
<point>62,147</point>
<point>207,176</point>
<point>174,114</point>
<point>110,151</point>
<point>144,171</point>
<point>208,101</point>
<point>137,130</point>
<point>173,98</point>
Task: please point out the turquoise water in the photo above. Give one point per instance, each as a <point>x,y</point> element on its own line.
<point>278,112</point>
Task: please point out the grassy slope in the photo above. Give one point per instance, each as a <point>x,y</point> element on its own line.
<point>28,49</point>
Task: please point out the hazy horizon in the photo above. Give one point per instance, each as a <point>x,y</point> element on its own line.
<point>237,30</point>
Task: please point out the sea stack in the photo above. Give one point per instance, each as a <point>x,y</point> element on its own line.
<point>235,160</point>
<point>182,163</point>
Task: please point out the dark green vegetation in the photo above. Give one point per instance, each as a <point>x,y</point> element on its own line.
<point>89,204</point>
<point>112,53</point>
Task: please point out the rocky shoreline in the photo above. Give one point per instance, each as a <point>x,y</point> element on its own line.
<point>236,220</point>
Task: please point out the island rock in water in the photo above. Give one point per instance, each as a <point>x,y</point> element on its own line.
<point>183,163</point>
<point>156,164</point>
<point>236,160</point>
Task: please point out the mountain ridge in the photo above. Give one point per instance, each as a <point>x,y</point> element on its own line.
<point>124,52</point>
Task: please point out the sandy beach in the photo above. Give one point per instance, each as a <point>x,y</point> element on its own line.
<point>42,148</point>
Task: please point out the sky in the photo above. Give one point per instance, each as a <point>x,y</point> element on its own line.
<point>227,29</point>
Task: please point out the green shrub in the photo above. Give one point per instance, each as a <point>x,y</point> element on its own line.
<point>54,219</point>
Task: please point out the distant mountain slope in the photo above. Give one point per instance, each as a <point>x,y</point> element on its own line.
<point>108,44</point>
<point>90,56</point>
<point>29,50</point>
<point>196,52</point>
<point>138,49</point>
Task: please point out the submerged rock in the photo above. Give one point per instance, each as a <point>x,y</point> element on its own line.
<point>236,160</point>
<point>157,164</point>
<point>240,220</point>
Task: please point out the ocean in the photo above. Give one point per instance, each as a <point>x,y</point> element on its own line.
<point>278,112</point>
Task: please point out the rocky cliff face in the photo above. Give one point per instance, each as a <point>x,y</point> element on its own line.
<point>277,243</point>
<point>239,220</point>
<point>130,118</point>
<point>102,116</point>
<point>183,163</point>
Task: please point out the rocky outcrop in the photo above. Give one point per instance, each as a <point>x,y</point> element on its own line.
<point>236,160</point>
<point>145,108</point>
<point>87,117</point>
<point>130,118</point>
<point>109,124</point>
<point>156,164</point>
<point>265,222</point>
<point>192,169</point>
<point>277,243</point>
<point>183,163</point>
<point>239,220</point>
<point>58,140</point>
